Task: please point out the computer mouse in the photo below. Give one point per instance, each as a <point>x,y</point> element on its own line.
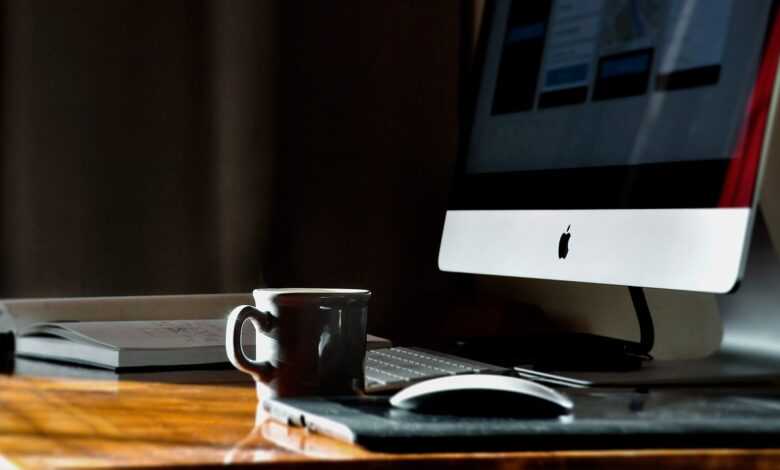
<point>483,395</point>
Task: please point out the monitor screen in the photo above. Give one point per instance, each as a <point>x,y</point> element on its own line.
<point>615,141</point>
<point>624,103</point>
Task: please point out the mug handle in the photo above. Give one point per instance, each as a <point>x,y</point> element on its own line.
<point>263,322</point>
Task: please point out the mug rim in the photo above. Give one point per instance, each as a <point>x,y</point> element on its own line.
<point>310,290</point>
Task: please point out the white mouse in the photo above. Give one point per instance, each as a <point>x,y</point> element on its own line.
<point>483,394</point>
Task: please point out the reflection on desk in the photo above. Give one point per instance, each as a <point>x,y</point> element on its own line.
<point>62,423</point>
<point>295,440</point>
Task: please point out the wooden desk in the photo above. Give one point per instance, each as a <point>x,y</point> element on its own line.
<point>69,423</point>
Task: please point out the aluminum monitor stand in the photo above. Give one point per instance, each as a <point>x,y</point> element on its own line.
<point>750,345</point>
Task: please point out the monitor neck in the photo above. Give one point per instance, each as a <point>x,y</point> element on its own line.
<point>751,315</point>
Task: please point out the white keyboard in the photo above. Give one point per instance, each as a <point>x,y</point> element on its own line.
<point>395,368</point>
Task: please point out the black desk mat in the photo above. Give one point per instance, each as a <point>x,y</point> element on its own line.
<point>602,420</point>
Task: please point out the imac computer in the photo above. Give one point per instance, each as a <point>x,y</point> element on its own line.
<point>616,142</point>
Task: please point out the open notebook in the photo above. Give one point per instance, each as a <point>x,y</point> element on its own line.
<point>121,344</point>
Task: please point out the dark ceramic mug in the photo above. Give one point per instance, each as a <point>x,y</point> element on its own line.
<point>309,341</point>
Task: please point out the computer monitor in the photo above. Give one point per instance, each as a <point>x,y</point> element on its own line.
<point>615,142</point>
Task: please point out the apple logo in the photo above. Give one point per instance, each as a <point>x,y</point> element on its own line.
<point>563,244</point>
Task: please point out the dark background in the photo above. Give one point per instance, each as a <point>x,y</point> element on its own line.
<point>216,146</point>
<point>368,142</point>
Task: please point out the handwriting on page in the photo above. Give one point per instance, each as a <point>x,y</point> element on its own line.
<point>190,332</point>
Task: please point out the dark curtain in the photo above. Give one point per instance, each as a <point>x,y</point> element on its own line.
<point>137,142</point>
<point>184,146</point>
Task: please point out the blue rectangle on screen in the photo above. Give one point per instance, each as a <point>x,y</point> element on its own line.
<point>526,33</point>
<point>633,65</point>
<point>575,74</point>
